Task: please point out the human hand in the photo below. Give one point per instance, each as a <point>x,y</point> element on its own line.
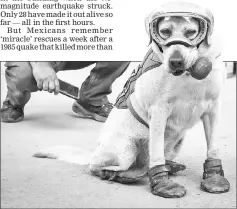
<point>45,77</point>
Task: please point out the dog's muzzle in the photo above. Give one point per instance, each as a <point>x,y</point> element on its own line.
<point>176,63</point>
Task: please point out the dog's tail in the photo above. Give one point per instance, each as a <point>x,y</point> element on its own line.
<point>66,154</point>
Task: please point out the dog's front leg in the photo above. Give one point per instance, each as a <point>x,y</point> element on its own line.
<point>160,183</point>
<point>213,176</point>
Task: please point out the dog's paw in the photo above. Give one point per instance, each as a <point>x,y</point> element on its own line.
<point>213,177</point>
<point>107,175</point>
<point>123,177</point>
<point>174,167</point>
<point>161,185</point>
<point>215,184</point>
<point>168,189</point>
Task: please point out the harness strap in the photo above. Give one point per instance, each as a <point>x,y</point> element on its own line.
<point>134,113</point>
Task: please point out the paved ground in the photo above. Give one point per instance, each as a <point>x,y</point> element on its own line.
<point>49,121</point>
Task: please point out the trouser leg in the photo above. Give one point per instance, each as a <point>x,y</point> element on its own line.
<point>94,90</point>
<point>20,83</point>
<point>98,85</point>
<point>75,65</point>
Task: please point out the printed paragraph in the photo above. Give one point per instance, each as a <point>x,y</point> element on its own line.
<point>56,25</point>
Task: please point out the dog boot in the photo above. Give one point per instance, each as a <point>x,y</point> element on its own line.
<point>174,167</point>
<point>124,177</point>
<point>213,177</point>
<point>161,185</point>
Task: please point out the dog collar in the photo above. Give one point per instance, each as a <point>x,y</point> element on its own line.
<point>180,9</point>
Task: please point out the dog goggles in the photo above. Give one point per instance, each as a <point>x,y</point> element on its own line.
<point>180,9</point>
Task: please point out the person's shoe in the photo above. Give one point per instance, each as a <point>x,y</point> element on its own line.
<point>11,114</point>
<point>98,113</point>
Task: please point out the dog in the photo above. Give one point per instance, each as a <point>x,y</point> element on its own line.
<point>179,84</point>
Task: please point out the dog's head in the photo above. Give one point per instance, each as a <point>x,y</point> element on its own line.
<point>177,30</point>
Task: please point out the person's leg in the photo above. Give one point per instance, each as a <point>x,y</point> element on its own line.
<point>93,102</point>
<point>75,65</point>
<point>20,83</point>
<point>98,84</point>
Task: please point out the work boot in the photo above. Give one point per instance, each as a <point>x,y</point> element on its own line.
<point>11,114</point>
<point>98,113</point>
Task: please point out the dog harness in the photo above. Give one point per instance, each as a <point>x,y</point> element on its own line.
<point>123,101</point>
<point>135,114</point>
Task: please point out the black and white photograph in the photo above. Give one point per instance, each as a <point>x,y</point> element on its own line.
<point>154,130</point>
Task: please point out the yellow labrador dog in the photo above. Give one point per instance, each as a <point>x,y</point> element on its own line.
<point>178,83</point>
